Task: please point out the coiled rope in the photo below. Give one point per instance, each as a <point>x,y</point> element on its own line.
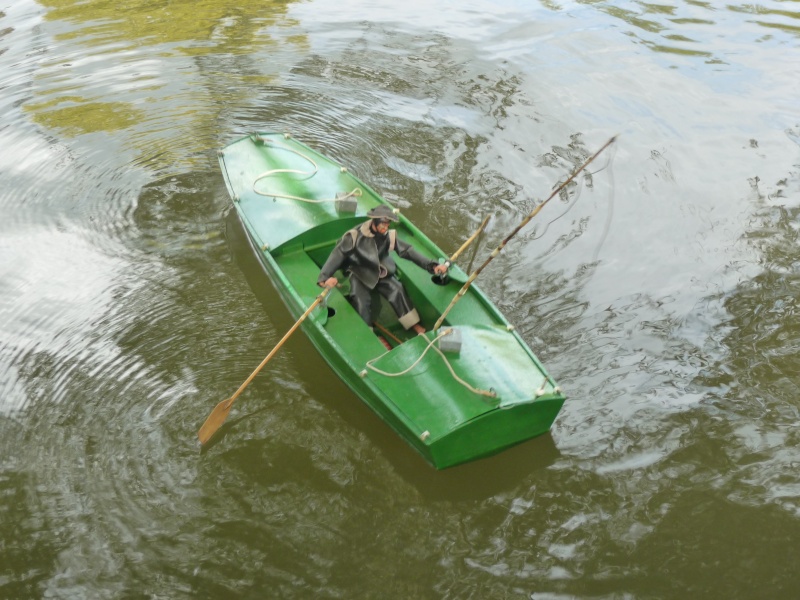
<point>480,392</point>
<point>356,193</point>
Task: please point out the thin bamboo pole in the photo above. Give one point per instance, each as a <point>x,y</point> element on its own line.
<point>516,230</point>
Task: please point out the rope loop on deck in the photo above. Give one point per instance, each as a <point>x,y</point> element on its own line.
<point>480,392</point>
<point>355,193</point>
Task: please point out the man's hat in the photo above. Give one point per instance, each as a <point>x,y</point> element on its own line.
<point>382,212</point>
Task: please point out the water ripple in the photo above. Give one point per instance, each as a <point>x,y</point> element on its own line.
<point>124,318</point>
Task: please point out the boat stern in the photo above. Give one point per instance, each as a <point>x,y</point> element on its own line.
<point>493,431</point>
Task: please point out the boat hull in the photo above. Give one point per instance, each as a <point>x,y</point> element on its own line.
<point>452,408</point>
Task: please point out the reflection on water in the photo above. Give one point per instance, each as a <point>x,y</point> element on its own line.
<point>659,290</point>
<point>134,69</point>
<point>685,27</point>
<point>753,381</point>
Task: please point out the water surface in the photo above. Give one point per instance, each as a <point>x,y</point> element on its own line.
<point>660,292</point>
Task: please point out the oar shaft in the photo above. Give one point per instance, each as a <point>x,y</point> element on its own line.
<point>470,239</point>
<point>516,230</point>
<point>481,231</point>
<point>385,331</point>
<point>464,246</point>
<point>220,412</point>
<point>272,353</point>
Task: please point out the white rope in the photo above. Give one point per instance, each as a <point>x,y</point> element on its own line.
<point>490,393</point>
<point>356,193</point>
<point>487,393</point>
<point>414,364</point>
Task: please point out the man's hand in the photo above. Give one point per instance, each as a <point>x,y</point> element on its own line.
<point>441,269</point>
<point>330,282</point>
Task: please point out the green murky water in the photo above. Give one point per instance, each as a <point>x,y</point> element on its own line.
<point>661,293</point>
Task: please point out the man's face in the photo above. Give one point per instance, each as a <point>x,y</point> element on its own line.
<point>382,226</point>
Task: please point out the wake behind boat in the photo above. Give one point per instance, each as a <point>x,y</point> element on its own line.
<point>466,390</point>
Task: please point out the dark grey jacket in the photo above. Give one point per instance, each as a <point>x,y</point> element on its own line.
<point>360,252</point>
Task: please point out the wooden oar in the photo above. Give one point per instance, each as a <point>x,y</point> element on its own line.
<point>464,246</point>
<point>525,221</point>
<point>221,410</point>
<point>470,239</point>
<point>386,332</point>
<point>479,233</point>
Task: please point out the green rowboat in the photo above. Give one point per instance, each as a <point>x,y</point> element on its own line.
<point>467,390</point>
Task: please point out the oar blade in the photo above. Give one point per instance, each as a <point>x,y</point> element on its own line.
<point>221,410</point>
<point>214,420</point>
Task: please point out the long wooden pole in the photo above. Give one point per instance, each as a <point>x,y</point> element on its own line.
<point>220,412</point>
<point>479,233</point>
<point>516,230</point>
<point>470,239</point>
<point>464,246</point>
<point>385,331</point>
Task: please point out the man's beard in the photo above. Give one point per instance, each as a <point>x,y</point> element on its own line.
<point>379,237</point>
